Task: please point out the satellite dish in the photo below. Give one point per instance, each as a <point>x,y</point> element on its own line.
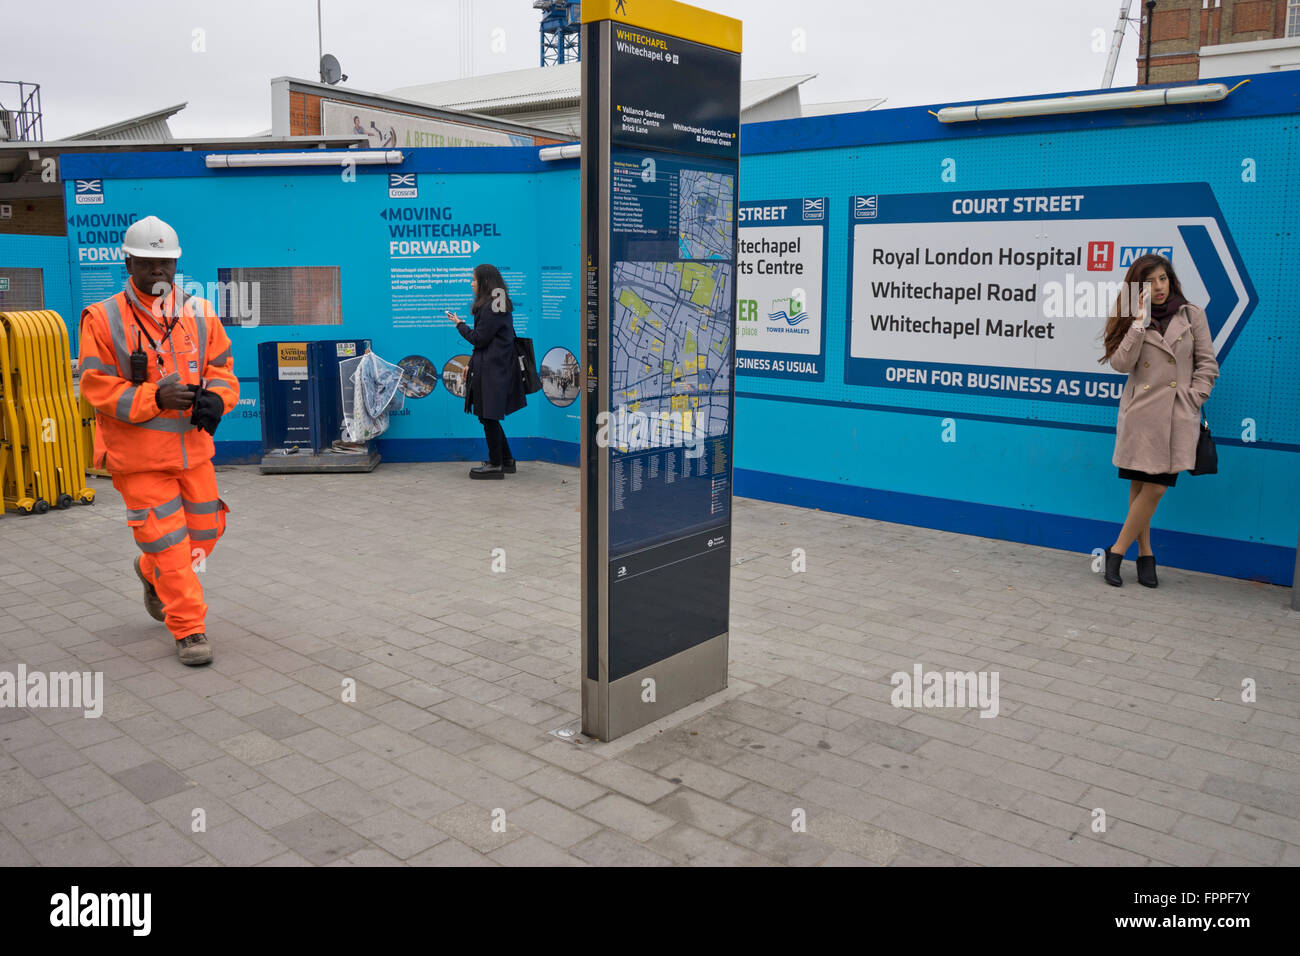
<point>330,71</point>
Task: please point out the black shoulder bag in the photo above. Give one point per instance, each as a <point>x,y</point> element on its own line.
<point>528,376</point>
<point>1207,456</point>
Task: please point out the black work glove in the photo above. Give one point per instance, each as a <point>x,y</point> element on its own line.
<point>208,409</point>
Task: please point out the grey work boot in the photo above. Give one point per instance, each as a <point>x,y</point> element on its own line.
<point>152,603</point>
<point>194,650</point>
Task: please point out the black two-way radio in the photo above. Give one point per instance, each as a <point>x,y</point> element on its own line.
<point>139,362</point>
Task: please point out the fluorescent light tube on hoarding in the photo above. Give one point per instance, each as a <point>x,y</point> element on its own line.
<point>1132,99</point>
<point>317,157</point>
<point>549,154</point>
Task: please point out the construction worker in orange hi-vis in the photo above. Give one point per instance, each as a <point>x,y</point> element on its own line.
<point>156,366</point>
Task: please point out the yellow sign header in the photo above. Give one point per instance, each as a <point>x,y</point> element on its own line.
<point>670,17</point>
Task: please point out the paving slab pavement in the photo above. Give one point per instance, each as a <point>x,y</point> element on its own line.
<point>1123,706</point>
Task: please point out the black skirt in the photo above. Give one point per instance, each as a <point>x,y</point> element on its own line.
<point>1128,474</point>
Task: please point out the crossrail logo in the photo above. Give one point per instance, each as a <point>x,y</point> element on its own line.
<point>58,689</point>
<point>814,210</point>
<point>89,192</point>
<point>403,186</point>
<point>865,207</point>
<point>77,909</point>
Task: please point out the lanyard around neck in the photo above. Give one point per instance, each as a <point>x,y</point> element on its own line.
<point>169,326</point>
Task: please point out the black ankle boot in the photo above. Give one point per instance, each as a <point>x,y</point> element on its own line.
<point>1147,571</point>
<point>1113,562</point>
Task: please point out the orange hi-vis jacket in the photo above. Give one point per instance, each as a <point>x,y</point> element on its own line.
<point>132,434</point>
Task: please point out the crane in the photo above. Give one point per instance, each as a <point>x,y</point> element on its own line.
<point>560,27</point>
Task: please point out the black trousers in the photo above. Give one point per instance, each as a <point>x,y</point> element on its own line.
<point>498,447</point>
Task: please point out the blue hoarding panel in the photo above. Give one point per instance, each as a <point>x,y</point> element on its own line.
<point>1031,418</point>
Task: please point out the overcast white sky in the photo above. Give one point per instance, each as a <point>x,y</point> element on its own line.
<point>99,62</point>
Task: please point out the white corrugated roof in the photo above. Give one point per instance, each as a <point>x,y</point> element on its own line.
<point>149,126</point>
<point>842,106</point>
<point>552,86</point>
<point>516,89</point>
<point>753,92</point>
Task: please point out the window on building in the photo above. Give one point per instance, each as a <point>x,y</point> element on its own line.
<point>1293,18</point>
<point>21,289</point>
<point>279,295</point>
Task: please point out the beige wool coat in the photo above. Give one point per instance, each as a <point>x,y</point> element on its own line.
<point>1169,378</point>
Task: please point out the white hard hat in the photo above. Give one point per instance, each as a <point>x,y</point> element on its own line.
<point>151,238</point>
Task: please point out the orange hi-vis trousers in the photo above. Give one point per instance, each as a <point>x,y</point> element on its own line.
<point>176,517</point>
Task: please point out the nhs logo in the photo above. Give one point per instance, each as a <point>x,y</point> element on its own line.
<point>89,192</point>
<point>1130,254</point>
<point>814,210</point>
<point>864,207</point>
<point>402,186</point>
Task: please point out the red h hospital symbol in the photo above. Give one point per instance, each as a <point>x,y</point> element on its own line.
<point>1101,256</point>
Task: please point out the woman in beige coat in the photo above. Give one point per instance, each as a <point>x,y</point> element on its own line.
<point>1167,351</point>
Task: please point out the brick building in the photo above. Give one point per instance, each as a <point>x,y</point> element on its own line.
<point>1181,30</point>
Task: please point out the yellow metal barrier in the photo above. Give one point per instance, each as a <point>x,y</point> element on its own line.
<point>42,461</point>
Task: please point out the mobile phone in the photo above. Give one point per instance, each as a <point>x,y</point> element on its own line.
<point>451,314</point>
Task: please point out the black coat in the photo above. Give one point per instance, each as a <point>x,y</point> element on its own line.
<point>494,389</point>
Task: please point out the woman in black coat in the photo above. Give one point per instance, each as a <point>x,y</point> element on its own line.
<point>493,389</point>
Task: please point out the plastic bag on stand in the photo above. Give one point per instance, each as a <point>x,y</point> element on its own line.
<point>376,392</point>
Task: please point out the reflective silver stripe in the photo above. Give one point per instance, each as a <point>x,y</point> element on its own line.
<point>92,364</point>
<point>217,383</point>
<point>176,364</point>
<point>124,402</point>
<point>201,323</point>
<point>117,332</point>
<point>165,542</point>
<point>221,359</point>
<point>205,534</point>
<point>170,508</point>
<point>161,511</point>
<point>161,424</point>
<point>203,507</point>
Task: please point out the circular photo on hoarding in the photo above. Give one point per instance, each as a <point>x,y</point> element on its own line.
<point>453,374</point>
<point>560,376</point>
<point>419,376</point>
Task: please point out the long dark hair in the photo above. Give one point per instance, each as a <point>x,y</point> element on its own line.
<point>489,280</point>
<point>1125,308</point>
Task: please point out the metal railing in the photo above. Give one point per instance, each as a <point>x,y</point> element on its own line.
<point>24,124</point>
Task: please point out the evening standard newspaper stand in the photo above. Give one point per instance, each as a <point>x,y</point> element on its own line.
<point>303,390</point>
<point>661,144</point>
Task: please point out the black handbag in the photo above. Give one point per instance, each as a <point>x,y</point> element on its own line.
<point>1207,456</point>
<point>528,376</point>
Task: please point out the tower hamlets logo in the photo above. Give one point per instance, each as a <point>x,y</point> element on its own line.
<point>789,309</point>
